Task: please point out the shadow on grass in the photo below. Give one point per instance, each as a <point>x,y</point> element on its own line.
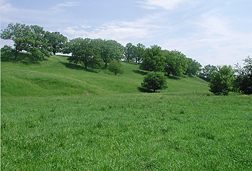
<point>24,58</point>
<point>77,67</point>
<point>141,89</point>
<point>140,72</point>
<point>174,77</point>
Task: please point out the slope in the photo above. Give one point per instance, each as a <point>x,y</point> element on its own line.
<point>56,77</point>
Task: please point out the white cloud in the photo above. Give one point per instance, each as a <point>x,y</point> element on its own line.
<point>166,4</point>
<point>58,7</point>
<point>121,31</point>
<point>115,32</point>
<point>214,41</point>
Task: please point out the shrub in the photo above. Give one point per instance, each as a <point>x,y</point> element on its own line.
<point>115,67</point>
<point>221,81</point>
<point>154,81</point>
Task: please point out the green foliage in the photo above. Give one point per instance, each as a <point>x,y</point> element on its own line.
<point>116,67</point>
<point>153,59</point>
<point>176,63</point>
<point>243,80</point>
<point>28,38</point>
<point>207,71</point>
<point>109,50</point>
<point>129,52</point>
<point>19,33</point>
<point>154,81</point>
<point>55,41</point>
<point>193,67</point>
<point>222,80</point>
<point>139,52</point>
<point>83,51</point>
<point>6,52</point>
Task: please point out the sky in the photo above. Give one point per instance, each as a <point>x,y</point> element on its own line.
<point>216,32</point>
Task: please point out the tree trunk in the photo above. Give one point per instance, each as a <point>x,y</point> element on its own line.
<point>16,53</point>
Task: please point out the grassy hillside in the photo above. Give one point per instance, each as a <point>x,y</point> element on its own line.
<point>57,117</point>
<point>56,76</point>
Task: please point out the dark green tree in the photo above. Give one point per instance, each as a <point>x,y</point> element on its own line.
<point>83,51</point>
<point>55,41</point>
<point>37,43</point>
<point>109,50</point>
<point>154,81</point>
<point>193,67</point>
<point>139,52</point>
<point>176,63</point>
<point>153,59</point>
<point>243,78</point>
<point>221,81</point>
<point>116,67</point>
<point>129,52</point>
<point>206,72</point>
<point>19,33</point>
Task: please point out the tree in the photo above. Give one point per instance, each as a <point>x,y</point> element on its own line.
<point>55,41</point>
<point>193,67</point>
<point>207,71</point>
<point>129,52</point>
<point>139,52</point>
<point>243,80</point>
<point>36,43</point>
<point>19,33</point>
<point>154,81</point>
<point>83,51</point>
<point>221,80</point>
<point>109,50</point>
<point>116,67</point>
<point>153,59</point>
<point>176,63</point>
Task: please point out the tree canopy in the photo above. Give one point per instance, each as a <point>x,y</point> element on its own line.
<point>221,81</point>
<point>176,63</point>
<point>153,59</point>
<point>83,51</point>
<point>55,41</point>
<point>207,71</point>
<point>19,33</point>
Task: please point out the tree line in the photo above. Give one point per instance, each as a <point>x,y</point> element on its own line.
<point>99,53</point>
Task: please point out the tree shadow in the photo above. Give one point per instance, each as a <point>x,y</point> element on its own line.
<point>77,67</point>
<point>141,89</point>
<point>140,72</point>
<point>24,58</point>
<point>174,77</point>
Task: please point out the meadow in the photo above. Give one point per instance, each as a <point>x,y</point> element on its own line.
<point>55,116</point>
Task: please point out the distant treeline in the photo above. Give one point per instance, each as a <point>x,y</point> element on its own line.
<point>99,53</point>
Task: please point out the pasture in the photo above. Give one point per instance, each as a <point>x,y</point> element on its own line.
<point>55,116</point>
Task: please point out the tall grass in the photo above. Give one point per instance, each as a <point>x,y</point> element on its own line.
<point>127,132</point>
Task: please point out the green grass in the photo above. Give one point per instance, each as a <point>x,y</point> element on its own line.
<point>54,117</point>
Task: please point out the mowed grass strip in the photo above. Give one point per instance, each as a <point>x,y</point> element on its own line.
<point>127,132</point>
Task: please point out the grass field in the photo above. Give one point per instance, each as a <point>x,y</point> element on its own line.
<point>57,117</point>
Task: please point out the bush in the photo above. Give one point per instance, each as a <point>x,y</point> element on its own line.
<point>154,81</point>
<point>116,67</point>
<point>221,80</point>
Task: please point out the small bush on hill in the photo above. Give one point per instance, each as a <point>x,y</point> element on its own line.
<point>154,81</point>
<point>116,67</point>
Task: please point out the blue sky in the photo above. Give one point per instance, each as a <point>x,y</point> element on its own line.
<point>216,32</point>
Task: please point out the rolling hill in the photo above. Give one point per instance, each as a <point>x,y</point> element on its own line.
<point>56,77</point>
